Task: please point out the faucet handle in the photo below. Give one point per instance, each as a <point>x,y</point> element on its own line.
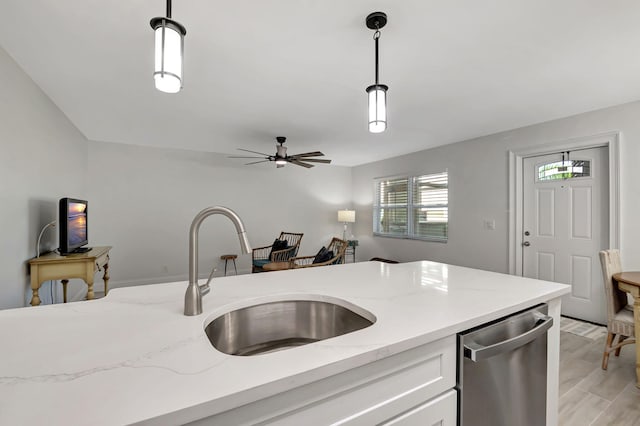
<point>206,285</point>
<point>204,289</point>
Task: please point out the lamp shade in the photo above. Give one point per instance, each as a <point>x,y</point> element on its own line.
<point>377,108</point>
<point>169,49</point>
<point>346,216</point>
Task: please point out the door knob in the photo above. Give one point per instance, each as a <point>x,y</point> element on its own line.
<point>526,244</point>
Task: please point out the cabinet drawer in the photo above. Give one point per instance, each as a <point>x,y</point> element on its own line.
<point>381,390</point>
<point>392,386</point>
<point>366,395</point>
<point>402,382</point>
<point>441,411</point>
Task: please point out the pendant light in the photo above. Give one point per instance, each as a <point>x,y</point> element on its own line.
<point>169,36</point>
<point>377,93</point>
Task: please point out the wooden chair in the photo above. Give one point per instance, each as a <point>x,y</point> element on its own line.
<point>262,255</point>
<point>619,313</point>
<point>337,246</point>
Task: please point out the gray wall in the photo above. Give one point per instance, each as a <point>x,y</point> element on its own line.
<point>43,157</point>
<point>141,200</point>
<point>478,176</point>
<point>144,199</point>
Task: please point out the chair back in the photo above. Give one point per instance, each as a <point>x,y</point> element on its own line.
<point>616,298</point>
<point>339,248</point>
<point>293,240</point>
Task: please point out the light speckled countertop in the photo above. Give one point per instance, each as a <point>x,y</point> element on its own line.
<point>133,356</point>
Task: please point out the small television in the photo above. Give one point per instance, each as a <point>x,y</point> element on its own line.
<point>72,222</point>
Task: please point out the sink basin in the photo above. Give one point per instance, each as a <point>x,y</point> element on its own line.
<point>274,326</point>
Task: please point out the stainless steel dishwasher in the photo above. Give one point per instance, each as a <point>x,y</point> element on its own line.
<point>502,371</point>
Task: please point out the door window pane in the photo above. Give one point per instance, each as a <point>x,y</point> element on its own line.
<point>564,170</point>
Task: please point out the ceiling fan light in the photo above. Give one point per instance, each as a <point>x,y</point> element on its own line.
<point>281,161</point>
<point>377,108</point>
<point>169,52</point>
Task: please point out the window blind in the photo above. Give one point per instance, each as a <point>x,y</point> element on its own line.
<point>430,206</point>
<point>412,207</point>
<point>392,197</point>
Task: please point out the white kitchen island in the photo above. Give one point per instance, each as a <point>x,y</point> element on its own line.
<point>134,357</point>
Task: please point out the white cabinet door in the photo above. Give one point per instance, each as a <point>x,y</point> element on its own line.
<point>439,411</point>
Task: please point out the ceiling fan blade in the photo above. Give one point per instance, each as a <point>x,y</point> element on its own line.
<point>255,152</point>
<point>315,160</point>
<point>304,159</point>
<point>299,163</point>
<point>308,154</point>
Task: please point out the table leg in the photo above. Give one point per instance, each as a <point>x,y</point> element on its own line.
<point>90,294</point>
<point>64,290</point>
<point>35,286</point>
<point>636,320</point>
<point>106,277</point>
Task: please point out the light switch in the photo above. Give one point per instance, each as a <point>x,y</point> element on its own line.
<point>490,224</point>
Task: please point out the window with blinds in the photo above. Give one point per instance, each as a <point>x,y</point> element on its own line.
<point>412,207</point>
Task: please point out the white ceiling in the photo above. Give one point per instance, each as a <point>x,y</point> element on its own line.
<point>298,68</point>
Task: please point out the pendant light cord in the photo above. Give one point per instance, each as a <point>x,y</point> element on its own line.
<point>168,8</point>
<point>376,37</point>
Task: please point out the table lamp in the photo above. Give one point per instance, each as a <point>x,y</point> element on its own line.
<point>346,216</point>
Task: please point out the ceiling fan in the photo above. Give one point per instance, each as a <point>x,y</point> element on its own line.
<point>281,158</point>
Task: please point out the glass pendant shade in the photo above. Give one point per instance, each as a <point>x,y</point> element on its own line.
<point>169,49</point>
<point>377,108</point>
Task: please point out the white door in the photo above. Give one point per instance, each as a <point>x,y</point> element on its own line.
<point>565,225</point>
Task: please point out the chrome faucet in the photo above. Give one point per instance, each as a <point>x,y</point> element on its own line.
<point>194,293</point>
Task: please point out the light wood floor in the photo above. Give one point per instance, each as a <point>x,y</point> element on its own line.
<point>590,395</point>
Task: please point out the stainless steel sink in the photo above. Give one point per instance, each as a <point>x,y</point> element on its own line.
<point>275,326</point>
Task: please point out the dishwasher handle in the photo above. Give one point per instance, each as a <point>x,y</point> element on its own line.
<point>477,352</point>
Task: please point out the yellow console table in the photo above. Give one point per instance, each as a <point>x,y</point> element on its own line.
<point>53,266</point>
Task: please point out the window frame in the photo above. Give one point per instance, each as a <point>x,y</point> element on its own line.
<point>410,207</point>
